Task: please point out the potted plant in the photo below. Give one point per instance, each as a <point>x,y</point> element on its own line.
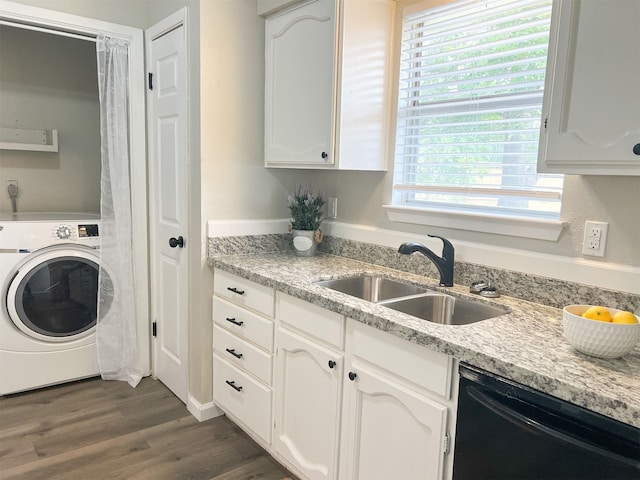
<point>306,216</point>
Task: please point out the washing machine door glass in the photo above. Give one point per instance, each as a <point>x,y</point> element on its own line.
<point>55,297</point>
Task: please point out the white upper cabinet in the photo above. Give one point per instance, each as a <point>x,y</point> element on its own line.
<point>592,92</point>
<point>327,83</point>
<point>298,85</point>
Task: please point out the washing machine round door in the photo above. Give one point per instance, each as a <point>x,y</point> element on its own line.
<point>54,294</point>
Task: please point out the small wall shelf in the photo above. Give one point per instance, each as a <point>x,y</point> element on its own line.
<point>26,139</point>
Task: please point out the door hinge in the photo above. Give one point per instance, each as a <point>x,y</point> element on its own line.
<point>150,80</point>
<point>546,121</point>
<point>154,329</point>
<point>447,443</point>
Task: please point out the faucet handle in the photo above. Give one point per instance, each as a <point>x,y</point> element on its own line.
<point>447,247</point>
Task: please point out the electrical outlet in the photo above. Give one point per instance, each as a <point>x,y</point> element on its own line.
<point>332,207</point>
<point>593,244</point>
<point>594,230</point>
<point>595,238</point>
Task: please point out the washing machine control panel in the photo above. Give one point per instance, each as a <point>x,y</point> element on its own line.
<point>71,232</point>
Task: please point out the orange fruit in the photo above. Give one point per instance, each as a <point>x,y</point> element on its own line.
<point>601,314</point>
<point>624,317</point>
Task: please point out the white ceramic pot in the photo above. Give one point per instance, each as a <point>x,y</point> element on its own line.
<point>305,242</point>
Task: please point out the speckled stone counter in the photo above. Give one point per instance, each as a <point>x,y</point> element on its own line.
<point>525,345</point>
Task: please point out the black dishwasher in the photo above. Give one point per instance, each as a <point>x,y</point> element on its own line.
<point>512,432</point>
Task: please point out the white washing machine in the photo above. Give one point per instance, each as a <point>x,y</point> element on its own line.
<point>49,267</point>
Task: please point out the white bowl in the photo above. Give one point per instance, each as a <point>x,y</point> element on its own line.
<point>596,338</point>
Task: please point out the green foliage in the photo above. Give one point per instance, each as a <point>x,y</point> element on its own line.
<point>306,210</point>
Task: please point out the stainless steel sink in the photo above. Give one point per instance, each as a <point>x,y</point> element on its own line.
<point>420,302</point>
<point>445,309</point>
<point>372,288</point>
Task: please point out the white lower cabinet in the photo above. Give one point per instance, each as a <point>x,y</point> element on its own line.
<point>242,352</point>
<point>242,396</point>
<point>391,428</point>
<point>349,401</point>
<point>308,387</point>
<point>308,390</point>
<point>385,398</point>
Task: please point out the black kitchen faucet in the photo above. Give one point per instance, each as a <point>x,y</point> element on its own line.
<point>444,264</point>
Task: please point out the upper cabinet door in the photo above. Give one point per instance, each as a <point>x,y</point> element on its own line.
<point>592,99</point>
<point>300,73</point>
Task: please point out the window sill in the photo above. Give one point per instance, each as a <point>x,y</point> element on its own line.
<point>499,225</point>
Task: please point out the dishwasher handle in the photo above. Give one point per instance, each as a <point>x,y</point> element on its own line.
<point>536,423</point>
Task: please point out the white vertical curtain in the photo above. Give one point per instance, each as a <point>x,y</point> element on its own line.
<point>116,326</point>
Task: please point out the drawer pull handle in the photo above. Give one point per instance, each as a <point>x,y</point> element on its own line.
<point>232,351</point>
<point>332,364</point>
<point>233,385</point>
<point>234,321</point>
<point>235,290</point>
<point>352,376</point>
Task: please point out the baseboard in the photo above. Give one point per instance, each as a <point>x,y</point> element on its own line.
<point>202,412</point>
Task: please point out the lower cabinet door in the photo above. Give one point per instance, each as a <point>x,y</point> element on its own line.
<point>247,399</point>
<point>307,414</point>
<point>389,431</point>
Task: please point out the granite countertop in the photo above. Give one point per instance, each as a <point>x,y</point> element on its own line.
<point>525,345</point>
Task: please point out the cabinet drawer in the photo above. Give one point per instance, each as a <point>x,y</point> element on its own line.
<point>417,364</point>
<point>312,320</point>
<point>243,292</point>
<point>242,354</point>
<point>243,323</point>
<point>251,404</point>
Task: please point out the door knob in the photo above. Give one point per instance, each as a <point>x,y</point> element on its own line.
<point>176,242</point>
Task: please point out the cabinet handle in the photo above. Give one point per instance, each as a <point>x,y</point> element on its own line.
<point>636,149</point>
<point>234,321</point>
<point>332,364</point>
<point>235,290</point>
<point>232,351</point>
<point>352,376</point>
<point>233,385</point>
<point>324,155</point>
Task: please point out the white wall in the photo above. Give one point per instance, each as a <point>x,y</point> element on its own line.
<point>48,81</point>
<point>235,184</point>
<point>132,13</point>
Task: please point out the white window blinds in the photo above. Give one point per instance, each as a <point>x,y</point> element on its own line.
<point>469,109</point>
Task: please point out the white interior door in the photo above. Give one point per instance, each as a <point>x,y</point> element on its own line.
<point>168,150</point>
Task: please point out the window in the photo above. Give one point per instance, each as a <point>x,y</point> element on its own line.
<point>469,110</point>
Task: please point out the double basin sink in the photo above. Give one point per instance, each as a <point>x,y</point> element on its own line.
<point>417,301</point>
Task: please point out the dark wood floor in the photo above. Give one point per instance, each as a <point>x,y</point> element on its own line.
<point>95,430</point>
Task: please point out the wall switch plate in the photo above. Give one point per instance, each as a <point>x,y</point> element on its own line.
<point>595,238</point>
<point>332,207</point>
